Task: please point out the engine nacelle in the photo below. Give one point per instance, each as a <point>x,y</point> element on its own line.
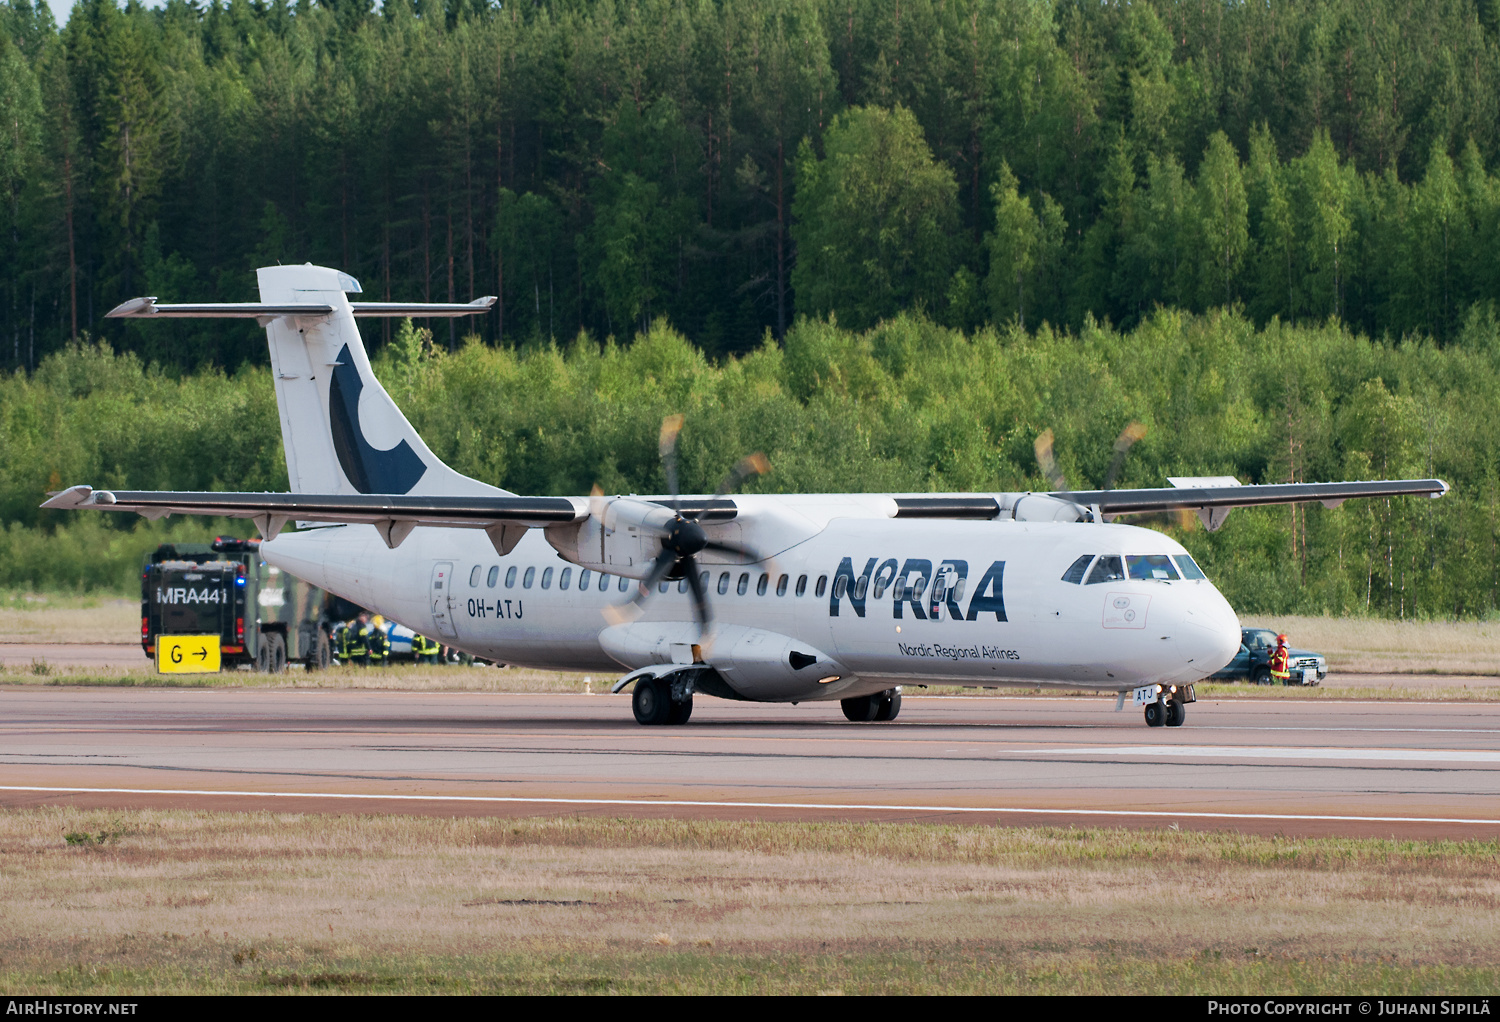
<point>756,663</point>
<point>1042,507</point>
<point>621,535</point>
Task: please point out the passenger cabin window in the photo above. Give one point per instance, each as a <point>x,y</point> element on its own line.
<point>723,583</point>
<point>547,578</point>
<point>801,585</point>
<point>822,585</point>
<point>1108,568</point>
<point>474,578</point>
<point>603,582</point>
<point>1078,569</point>
<point>682,586</point>
<point>583,580</point>
<point>510,577</point>
<point>760,587</point>
<point>493,577</point>
<point>860,587</point>
<point>528,578</point>
<point>840,585</point>
<point>1189,567</point>
<point>1151,566</point>
<point>744,584</point>
<point>624,584</point>
<point>781,585</point>
<point>565,578</point>
<point>662,587</point>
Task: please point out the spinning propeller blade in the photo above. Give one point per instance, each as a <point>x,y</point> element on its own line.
<point>683,537</point>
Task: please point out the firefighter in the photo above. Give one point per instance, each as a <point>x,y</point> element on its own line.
<point>380,643</point>
<point>357,642</point>
<point>424,650</point>
<point>1280,671</point>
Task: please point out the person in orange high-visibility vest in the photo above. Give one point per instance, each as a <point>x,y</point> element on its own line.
<point>1280,671</point>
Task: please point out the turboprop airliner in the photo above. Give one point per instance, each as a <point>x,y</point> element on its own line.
<point>772,598</point>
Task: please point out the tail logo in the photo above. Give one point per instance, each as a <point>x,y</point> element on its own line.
<point>371,471</point>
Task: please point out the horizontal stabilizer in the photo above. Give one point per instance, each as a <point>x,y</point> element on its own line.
<point>149,308</point>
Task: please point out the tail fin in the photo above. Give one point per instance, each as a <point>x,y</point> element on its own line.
<point>341,430</point>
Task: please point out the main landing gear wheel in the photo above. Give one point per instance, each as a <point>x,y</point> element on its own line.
<point>1155,715</point>
<point>652,703</point>
<point>1176,714</point>
<point>861,708</point>
<point>880,706</point>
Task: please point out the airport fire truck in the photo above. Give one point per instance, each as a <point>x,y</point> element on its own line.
<point>260,616</point>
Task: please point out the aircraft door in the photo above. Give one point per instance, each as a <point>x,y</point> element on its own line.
<point>442,599</point>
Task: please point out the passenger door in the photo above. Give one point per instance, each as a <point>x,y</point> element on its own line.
<point>442,599</point>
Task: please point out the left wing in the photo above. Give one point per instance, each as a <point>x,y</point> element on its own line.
<point>505,518</point>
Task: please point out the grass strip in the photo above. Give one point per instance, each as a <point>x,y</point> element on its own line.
<point>176,901</point>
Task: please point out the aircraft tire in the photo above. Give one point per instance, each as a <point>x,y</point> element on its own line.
<point>1176,714</point>
<point>861,709</point>
<point>888,704</point>
<point>680,712</point>
<point>1155,716</point>
<point>651,701</point>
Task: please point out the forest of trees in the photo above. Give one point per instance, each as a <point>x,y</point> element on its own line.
<point>599,163</point>
<point>888,242</point>
<point>908,405</point>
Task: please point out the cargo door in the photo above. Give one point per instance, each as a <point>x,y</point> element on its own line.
<point>442,599</point>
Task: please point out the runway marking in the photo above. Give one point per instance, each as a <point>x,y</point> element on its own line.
<point>697,804</point>
<point>1279,752</point>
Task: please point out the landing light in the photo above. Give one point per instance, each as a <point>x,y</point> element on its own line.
<point>830,678</point>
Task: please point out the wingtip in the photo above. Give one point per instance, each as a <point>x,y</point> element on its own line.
<point>134,307</point>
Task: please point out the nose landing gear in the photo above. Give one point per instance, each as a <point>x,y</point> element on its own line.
<point>1169,712</point>
<point>1166,705</point>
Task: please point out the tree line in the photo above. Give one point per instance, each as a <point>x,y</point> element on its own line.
<point>908,405</point>
<point>731,166</point>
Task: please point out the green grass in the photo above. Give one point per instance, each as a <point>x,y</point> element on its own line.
<point>184,902</point>
<point>993,968</point>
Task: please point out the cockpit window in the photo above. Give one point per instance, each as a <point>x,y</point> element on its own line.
<point>1106,569</point>
<point>1151,566</point>
<point>1189,567</point>
<point>1075,571</point>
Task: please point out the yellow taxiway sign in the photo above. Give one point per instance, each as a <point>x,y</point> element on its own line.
<point>187,654</point>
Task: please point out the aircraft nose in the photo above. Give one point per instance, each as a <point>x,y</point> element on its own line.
<point>1211,635</point>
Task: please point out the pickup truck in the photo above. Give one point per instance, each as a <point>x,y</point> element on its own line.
<point>1253,661</point>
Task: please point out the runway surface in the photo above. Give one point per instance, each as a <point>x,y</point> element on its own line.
<point>1357,768</point>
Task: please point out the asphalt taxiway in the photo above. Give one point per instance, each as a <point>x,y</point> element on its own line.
<point>1408,769</point>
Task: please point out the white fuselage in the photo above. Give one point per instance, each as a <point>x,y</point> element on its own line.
<point>1011,620</point>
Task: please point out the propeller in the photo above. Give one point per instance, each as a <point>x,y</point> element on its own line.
<point>1048,463</point>
<point>683,537</point>
<point>1123,443</point>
